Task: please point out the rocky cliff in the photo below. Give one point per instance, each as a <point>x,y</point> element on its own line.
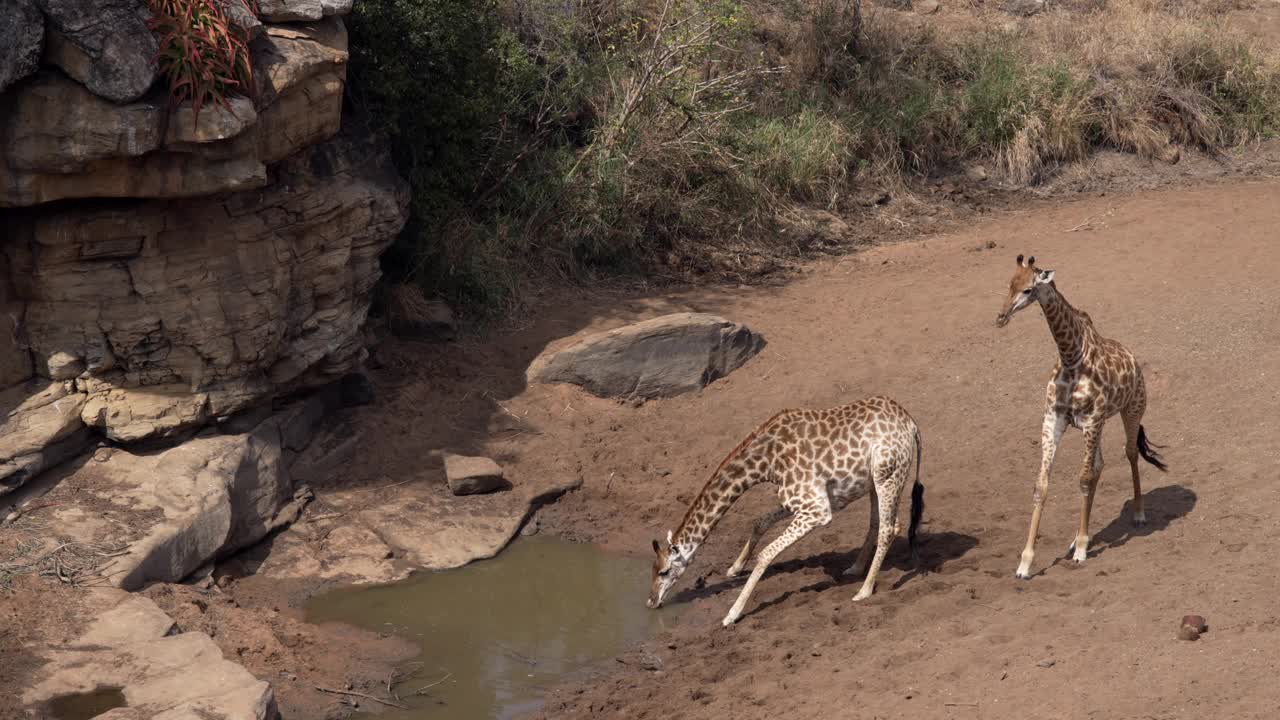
<point>159,274</point>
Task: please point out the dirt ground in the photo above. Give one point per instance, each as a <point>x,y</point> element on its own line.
<point>1182,277</point>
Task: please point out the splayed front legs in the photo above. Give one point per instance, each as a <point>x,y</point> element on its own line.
<point>799,527</point>
<point>758,530</point>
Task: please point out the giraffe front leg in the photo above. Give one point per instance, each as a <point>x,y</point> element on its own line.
<point>798,528</point>
<point>758,530</point>
<point>1090,472</point>
<point>1050,435</point>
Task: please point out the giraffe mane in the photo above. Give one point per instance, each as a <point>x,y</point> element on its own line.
<point>734,453</point>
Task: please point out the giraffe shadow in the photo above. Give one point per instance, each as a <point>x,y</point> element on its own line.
<point>936,549</point>
<point>1163,505</point>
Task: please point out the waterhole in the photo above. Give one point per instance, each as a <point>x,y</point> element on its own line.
<point>495,634</point>
<point>83,706</point>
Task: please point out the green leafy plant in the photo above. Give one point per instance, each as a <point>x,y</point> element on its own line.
<point>203,55</point>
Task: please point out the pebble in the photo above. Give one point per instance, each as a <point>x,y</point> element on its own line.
<point>1047,663</point>
<point>1191,627</point>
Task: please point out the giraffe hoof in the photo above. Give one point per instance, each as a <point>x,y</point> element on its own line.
<point>729,620</point>
<point>732,573</point>
<point>862,595</point>
<point>1080,556</point>
<point>1022,574</point>
<point>1140,520</point>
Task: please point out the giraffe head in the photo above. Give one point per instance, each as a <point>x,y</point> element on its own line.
<point>1029,285</point>
<point>668,566</point>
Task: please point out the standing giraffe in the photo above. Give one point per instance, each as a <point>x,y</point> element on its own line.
<point>821,460</point>
<point>1095,378</point>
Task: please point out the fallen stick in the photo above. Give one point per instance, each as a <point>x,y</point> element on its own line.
<point>363,695</point>
<point>428,687</point>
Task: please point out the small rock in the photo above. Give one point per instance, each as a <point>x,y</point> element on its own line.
<point>288,675</point>
<point>976,173</point>
<point>473,475</point>
<point>650,661</point>
<point>925,7</point>
<point>1191,627</point>
<point>530,528</point>
<point>1047,663</point>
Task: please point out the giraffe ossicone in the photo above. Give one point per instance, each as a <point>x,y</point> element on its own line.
<point>820,460</point>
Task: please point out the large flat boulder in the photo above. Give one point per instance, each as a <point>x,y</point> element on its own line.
<point>380,535</point>
<point>661,357</point>
<point>131,645</point>
<point>105,45</point>
<point>172,512</point>
<point>21,41</point>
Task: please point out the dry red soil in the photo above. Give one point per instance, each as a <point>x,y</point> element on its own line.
<point>1186,279</point>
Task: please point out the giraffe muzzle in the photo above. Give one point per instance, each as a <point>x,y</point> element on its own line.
<point>1002,319</point>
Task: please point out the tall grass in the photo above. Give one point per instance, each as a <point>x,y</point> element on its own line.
<point>661,136</point>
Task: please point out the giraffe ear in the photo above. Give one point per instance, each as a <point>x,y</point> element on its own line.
<point>657,550</point>
<point>1031,261</point>
<point>1045,276</point>
<point>1019,261</point>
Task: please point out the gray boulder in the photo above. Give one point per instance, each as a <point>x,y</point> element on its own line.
<point>21,40</point>
<point>104,44</point>
<point>662,357</point>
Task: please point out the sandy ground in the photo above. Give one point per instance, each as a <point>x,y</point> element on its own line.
<point>1183,278</point>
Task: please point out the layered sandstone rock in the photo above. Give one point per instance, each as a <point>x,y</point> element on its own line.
<point>162,315</point>
<point>62,139</point>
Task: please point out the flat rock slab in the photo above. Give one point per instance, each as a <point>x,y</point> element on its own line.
<point>172,512</point>
<point>130,645</point>
<point>661,357</point>
<point>473,475</point>
<point>373,536</point>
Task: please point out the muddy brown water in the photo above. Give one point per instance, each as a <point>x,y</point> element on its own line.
<point>83,706</point>
<point>494,635</point>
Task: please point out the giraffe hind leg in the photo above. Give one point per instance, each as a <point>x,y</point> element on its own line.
<point>1132,427</point>
<point>886,502</point>
<point>868,545</point>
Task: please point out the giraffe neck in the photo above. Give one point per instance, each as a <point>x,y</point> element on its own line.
<point>1069,326</point>
<point>734,477</point>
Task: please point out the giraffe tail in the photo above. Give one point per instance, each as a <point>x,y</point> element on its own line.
<point>1146,449</point>
<point>917,505</point>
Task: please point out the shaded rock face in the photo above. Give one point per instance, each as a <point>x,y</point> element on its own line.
<point>662,357</point>
<point>21,40</point>
<point>103,44</point>
<point>131,645</point>
<point>160,316</point>
<point>60,139</point>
